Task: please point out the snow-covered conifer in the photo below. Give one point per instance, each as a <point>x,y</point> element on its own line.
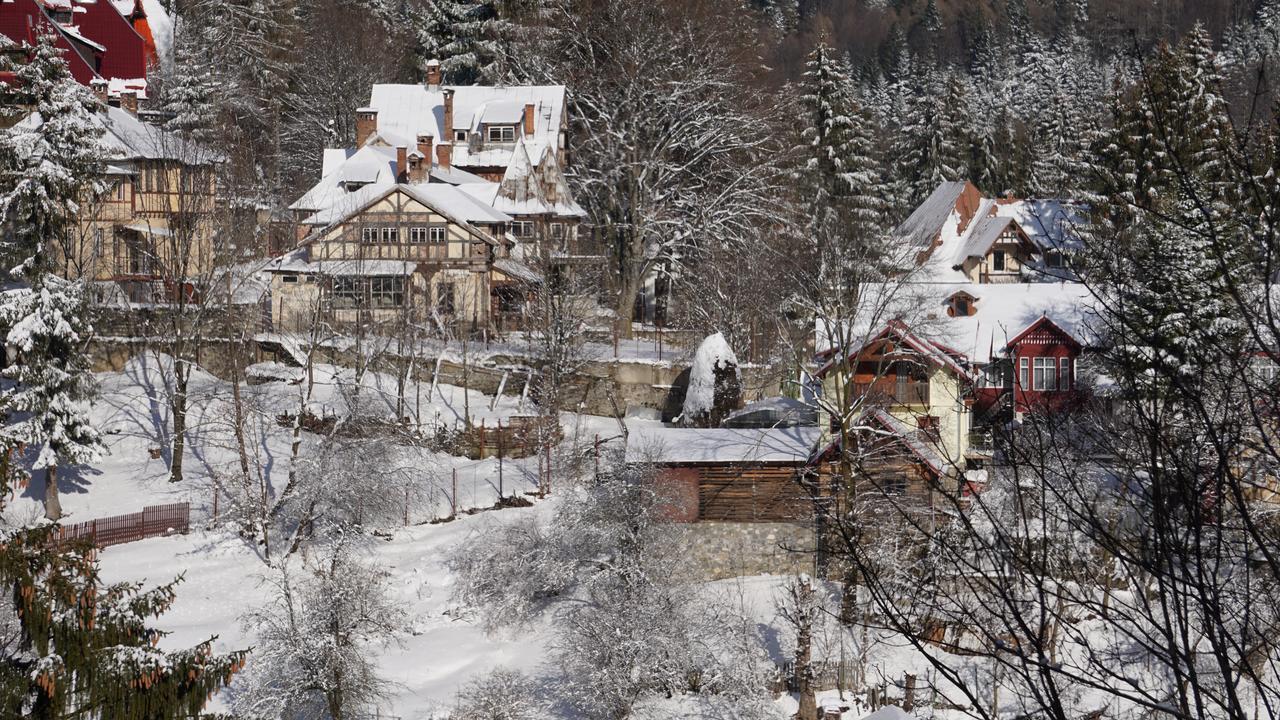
<point>714,384</point>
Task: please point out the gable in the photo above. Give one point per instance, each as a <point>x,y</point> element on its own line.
<point>1043,332</point>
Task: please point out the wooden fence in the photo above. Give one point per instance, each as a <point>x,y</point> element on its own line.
<point>522,436</point>
<point>154,521</point>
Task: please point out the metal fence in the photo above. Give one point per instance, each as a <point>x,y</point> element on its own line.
<point>154,521</point>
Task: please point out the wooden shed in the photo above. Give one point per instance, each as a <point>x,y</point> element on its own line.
<point>729,474</point>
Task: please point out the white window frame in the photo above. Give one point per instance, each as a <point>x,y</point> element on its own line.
<point>459,135</point>
<point>500,133</point>
<point>522,228</point>
<point>999,261</point>
<point>1064,373</point>
<point>424,234</point>
<point>1044,374</point>
<point>1024,373</point>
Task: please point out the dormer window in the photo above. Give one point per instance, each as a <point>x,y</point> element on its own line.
<point>460,136</point>
<point>501,133</point>
<point>997,261</point>
<point>960,304</point>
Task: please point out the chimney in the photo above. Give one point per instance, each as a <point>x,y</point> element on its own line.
<point>434,75</point>
<point>448,118</point>
<point>420,171</point>
<point>444,155</point>
<point>129,102</point>
<point>528,120</point>
<point>402,163</point>
<point>99,87</point>
<point>366,125</point>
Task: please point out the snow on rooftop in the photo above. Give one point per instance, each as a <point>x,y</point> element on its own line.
<point>407,111</point>
<point>658,444</point>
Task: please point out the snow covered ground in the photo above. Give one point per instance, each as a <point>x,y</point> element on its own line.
<point>224,575</point>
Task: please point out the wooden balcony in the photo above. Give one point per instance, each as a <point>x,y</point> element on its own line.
<point>891,391</point>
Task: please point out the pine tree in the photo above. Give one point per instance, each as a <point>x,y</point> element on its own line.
<point>1169,217</point>
<point>50,164</point>
<point>463,36</point>
<point>935,142</point>
<point>190,93</point>
<point>84,650</point>
<point>841,175</point>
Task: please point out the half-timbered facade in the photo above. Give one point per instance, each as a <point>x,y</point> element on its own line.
<point>422,253</point>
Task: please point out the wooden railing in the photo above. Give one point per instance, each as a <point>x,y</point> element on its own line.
<point>890,391</point>
<point>154,521</point>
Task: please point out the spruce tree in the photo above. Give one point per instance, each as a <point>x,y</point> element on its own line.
<point>1166,222</point>
<point>51,163</point>
<point>934,144</point>
<point>841,175</point>
<point>463,36</point>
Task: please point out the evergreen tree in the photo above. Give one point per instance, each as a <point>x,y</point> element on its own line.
<point>463,36</point>
<point>934,145</point>
<point>50,163</point>
<point>84,651</point>
<point>841,176</point>
<point>1170,220</point>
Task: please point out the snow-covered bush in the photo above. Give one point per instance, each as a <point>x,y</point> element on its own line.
<point>503,694</point>
<point>715,386</point>
<point>316,640</point>
<point>632,623</point>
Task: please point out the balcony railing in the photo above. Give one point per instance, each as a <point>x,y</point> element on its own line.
<point>893,392</point>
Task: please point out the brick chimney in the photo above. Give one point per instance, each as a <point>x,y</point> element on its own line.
<point>444,155</point>
<point>448,118</point>
<point>420,171</point>
<point>129,102</point>
<point>434,75</point>
<point>528,120</point>
<point>402,164</point>
<point>366,125</point>
<point>99,87</point>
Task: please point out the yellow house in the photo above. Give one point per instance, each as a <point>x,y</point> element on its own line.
<point>902,390</point>
<point>422,253</point>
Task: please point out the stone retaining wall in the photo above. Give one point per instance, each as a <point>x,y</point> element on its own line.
<point>730,549</point>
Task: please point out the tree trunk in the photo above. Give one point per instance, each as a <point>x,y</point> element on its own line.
<point>52,503</point>
<point>804,644</point>
<point>179,407</point>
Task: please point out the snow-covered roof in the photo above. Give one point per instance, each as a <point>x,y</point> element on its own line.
<point>446,200</point>
<point>125,137</point>
<point>407,111</point>
<point>516,270</point>
<point>926,221</point>
<point>667,445</point>
<point>929,349</point>
<point>920,445</point>
<point>981,236</point>
<point>295,262</point>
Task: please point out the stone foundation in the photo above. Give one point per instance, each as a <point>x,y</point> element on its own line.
<point>730,549</point>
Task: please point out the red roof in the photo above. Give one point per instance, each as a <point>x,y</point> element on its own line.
<point>1043,323</point>
<point>935,353</point>
<point>103,43</point>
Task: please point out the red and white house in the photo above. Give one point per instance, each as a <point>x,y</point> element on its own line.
<point>1045,358</point>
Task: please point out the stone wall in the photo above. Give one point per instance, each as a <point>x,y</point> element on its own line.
<point>731,549</point>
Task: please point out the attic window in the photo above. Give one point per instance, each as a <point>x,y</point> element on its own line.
<point>960,304</point>
<point>459,135</point>
<point>502,133</point>
<point>289,278</point>
<point>1053,259</point>
<point>997,261</point>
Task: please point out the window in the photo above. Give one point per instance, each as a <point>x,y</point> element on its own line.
<point>98,242</point>
<point>380,234</point>
<point>522,229</point>
<point>386,291</point>
<point>1064,373</point>
<point>1045,374</point>
<point>997,375</point>
<point>346,292</point>
<point>445,304</point>
<point>1053,259</point>
<point>288,278</point>
<point>928,425</point>
<point>120,192</point>
<point>459,135</point>
<point>428,234</point>
<point>1024,381</point>
<point>557,231</point>
<point>502,133</point>
<point>997,260</point>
